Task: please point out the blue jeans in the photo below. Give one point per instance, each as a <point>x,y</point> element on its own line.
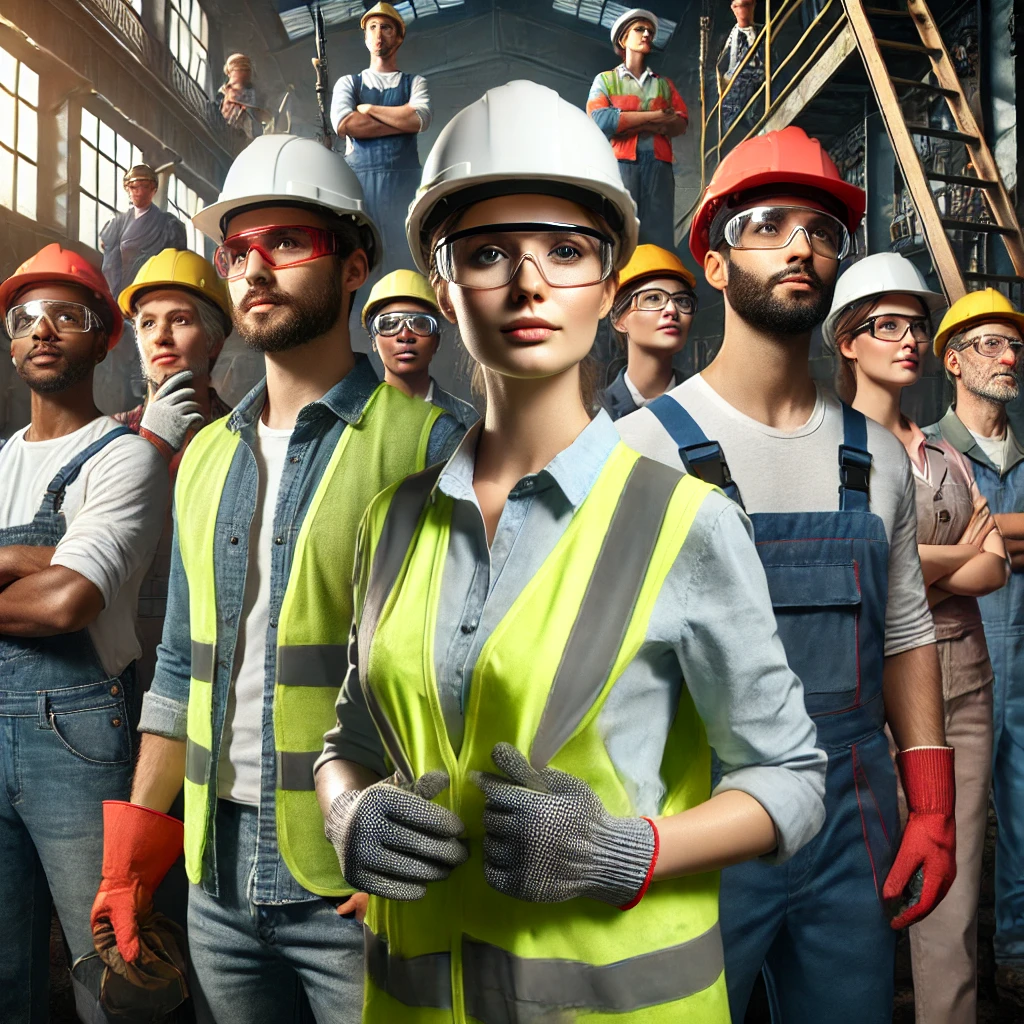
<point>652,185</point>
<point>268,963</point>
<point>62,753</point>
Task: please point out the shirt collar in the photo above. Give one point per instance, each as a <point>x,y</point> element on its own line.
<point>624,72</point>
<point>574,471</point>
<point>346,400</point>
<point>954,431</point>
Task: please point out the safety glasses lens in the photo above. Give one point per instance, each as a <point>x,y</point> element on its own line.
<point>279,247</point>
<point>64,317</point>
<point>390,324</point>
<point>775,227</point>
<point>655,298</point>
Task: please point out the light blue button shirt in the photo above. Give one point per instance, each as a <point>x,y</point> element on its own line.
<point>712,630</point>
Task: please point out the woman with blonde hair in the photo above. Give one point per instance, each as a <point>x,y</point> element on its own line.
<point>551,634</point>
<point>880,328</point>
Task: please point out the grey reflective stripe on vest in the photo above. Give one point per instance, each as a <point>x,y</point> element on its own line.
<point>500,988</point>
<point>312,665</point>
<point>295,769</point>
<point>203,658</point>
<point>197,763</point>
<point>396,536</point>
<point>415,981</point>
<point>607,605</point>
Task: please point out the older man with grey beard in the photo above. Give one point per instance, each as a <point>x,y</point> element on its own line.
<point>980,343</point>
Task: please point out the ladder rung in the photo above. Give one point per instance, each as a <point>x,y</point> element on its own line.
<point>1002,278</point>
<point>961,179</point>
<point>909,83</point>
<point>884,12</point>
<point>892,44</point>
<point>942,133</point>
<point>976,227</point>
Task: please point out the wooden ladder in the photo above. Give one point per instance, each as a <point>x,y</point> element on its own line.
<point>887,88</point>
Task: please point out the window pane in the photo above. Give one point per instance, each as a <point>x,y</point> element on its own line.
<point>28,86</point>
<point>195,21</point>
<point>87,221</point>
<point>26,188</point>
<point>137,155</point>
<point>107,188</point>
<point>6,179</point>
<point>8,71</point>
<point>87,179</point>
<point>124,153</point>
<point>108,144</point>
<point>89,125</point>
<point>27,136</point>
<point>6,119</point>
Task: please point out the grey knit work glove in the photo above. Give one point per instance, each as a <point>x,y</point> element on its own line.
<point>391,840</point>
<point>549,838</point>
<point>171,414</point>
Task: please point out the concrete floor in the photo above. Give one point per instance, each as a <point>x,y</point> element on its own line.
<point>989,1011</point>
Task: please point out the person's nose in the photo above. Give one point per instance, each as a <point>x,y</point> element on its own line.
<point>799,245</point>
<point>407,335</point>
<point>43,330</point>
<point>1009,355</point>
<point>527,279</point>
<point>256,267</point>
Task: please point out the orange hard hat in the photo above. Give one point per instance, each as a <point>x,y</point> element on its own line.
<point>787,158</point>
<point>52,265</point>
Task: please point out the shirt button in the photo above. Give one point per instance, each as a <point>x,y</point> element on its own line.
<point>294,459</point>
<point>273,623</point>
<point>468,627</point>
<point>234,540</point>
<point>279,540</point>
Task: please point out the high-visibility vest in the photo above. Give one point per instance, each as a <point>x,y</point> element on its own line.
<point>464,952</point>
<point>388,442</point>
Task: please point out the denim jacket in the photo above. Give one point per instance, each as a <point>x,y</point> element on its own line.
<point>318,429</point>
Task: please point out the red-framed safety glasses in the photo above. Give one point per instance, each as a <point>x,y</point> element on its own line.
<point>283,245</point>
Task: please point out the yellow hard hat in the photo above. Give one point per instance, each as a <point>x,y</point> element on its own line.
<point>384,11</point>
<point>653,261</point>
<point>399,284</point>
<point>178,268</point>
<point>987,306</point>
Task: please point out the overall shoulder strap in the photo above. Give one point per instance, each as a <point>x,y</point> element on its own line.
<point>66,475</point>
<point>701,457</point>
<point>854,463</point>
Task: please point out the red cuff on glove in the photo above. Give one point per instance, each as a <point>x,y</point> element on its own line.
<point>650,868</point>
<point>139,847</point>
<point>929,840</point>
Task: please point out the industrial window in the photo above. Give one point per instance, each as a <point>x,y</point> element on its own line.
<point>106,156</point>
<point>298,21</point>
<point>606,14</point>
<point>184,203</point>
<point>19,141</point>
<point>136,6</point>
<point>188,36</point>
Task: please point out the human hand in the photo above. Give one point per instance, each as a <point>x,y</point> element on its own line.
<point>979,526</point>
<point>363,108</point>
<point>171,415</point>
<point>357,904</point>
<point>549,838</point>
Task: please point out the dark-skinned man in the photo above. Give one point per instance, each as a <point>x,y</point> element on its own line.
<point>379,112</point>
<point>81,506</point>
<point>831,500</point>
<point>266,506</point>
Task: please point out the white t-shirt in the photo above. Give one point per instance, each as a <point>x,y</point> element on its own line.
<point>114,513</point>
<point>238,774</point>
<point>345,99</point>
<point>798,471</point>
<point>994,448</point>
<point>637,395</point>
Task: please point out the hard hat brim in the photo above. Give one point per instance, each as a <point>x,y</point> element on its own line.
<point>959,326</point>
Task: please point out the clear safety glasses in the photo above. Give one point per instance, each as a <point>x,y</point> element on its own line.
<point>390,324</point>
<point>657,298</point>
<point>565,255</point>
<point>63,317</point>
<point>775,227</point>
<point>992,346</point>
<point>894,327</point>
<point>285,245</point>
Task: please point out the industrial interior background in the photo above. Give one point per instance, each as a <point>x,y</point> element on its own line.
<point>88,87</point>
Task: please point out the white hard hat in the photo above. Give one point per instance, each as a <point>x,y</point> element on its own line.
<point>633,14</point>
<point>276,169</point>
<point>884,273</point>
<point>520,137</point>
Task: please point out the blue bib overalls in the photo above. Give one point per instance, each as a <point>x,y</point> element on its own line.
<point>816,924</point>
<point>66,745</point>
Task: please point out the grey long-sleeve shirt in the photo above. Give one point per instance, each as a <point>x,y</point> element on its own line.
<point>712,630</point>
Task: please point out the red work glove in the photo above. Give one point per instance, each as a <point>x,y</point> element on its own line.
<point>139,847</point>
<point>929,840</point>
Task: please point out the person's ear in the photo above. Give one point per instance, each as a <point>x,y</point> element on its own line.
<point>952,363</point>
<point>716,270</point>
<point>846,349</point>
<point>609,288</point>
<point>354,271</point>
<point>444,301</point>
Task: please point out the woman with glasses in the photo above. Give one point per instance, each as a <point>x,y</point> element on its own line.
<point>551,634</point>
<point>880,327</point>
<point>652,315</point>
<point>403,320</point>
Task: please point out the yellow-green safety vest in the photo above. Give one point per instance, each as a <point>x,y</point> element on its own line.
<point>464,952</point>
<point>386,444</point>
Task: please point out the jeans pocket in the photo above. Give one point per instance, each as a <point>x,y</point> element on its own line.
<point>876,799</point>
<point>99,735</point>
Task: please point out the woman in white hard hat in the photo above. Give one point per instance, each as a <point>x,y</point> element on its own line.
<point>880,328</point>
<point>531,669</point>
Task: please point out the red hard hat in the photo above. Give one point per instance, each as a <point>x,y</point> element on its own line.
<point>784,158</point>
<point>51,265</point>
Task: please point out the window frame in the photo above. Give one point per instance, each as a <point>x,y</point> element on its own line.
<point>180,16</point>
<point>23,158</point>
